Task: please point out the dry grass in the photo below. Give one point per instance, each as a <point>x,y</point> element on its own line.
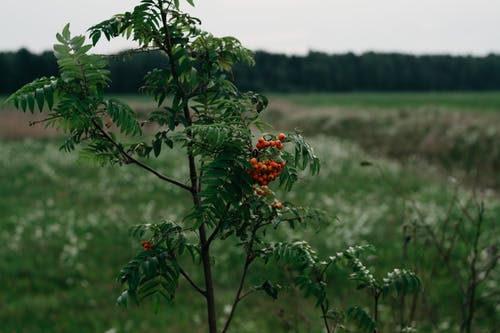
<point>463,144</point>
<point>16,125</point>
<point>466,143</point>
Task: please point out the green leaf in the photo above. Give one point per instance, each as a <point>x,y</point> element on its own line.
<point>362,319</point>
<point>401,282</point>
<point>60,39</point>
<point>40,97</point>
<point>270,289</point>
<point>96,35</point>
<point>65,33</point>
<point>124,117</point>
<point>31,102</point>
<point>157,147</point>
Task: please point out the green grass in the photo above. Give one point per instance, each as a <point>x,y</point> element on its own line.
<point>64,222</point>
<point>455,101</point>
<point>464,101</point>
<point>458,101</point>
<point>64,230</point>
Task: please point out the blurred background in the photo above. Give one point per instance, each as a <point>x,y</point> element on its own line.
<point>401,100</point>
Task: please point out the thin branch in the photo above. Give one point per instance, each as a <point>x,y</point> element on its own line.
<point>191,282</point>
<point>247,293</point>
<point>469,298</point>
<point>130,52</point>
<point>214,234</point>
<point>200,177</point>
<point>237,297</point>
<point>325,319</point>
<point>489,268</point>
<point>442,253</point>
<point>158,174</point>
<point>36,122</point>
<point>447,219</point>
<point>375,310</point>
<point>132,160</point>
<point>217,228</point>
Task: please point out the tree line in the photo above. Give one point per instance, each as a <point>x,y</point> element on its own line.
<point>314,72</point>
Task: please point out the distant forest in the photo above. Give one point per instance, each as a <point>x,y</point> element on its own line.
<point>314,72</point>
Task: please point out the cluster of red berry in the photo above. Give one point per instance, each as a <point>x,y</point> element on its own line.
<point>147,245</point>
<point>265,172</point>
<point>263,143</point>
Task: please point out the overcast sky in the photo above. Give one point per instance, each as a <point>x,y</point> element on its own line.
<point>289,26</point>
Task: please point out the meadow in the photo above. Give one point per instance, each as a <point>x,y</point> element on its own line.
<point>452,101</point>
<point>416,167</point>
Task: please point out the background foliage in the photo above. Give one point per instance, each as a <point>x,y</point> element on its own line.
<point>314,72</point>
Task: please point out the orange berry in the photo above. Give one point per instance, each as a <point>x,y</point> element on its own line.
<point>261,139</point>
<point>253,161</point>
<point>281,136</point>
<point>279,146</point>
<point>147,245</point>
<point>277,205</point>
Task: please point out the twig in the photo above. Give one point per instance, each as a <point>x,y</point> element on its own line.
<point>325,319</point>
<point>214,233</point>
<point>237,297</point>
<point>36,122</point>
<point>469,297</point>
<point>249,259</point>
<point>191,282</point>
<point>132,160</point>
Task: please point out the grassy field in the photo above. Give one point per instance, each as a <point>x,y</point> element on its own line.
<point>457,133</point>
<point>64,226</point>
<point>456,101</point>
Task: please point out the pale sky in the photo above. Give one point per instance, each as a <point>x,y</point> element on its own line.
<point>287,26</point>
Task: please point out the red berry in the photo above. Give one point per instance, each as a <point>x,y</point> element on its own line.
<point>147,245</point>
